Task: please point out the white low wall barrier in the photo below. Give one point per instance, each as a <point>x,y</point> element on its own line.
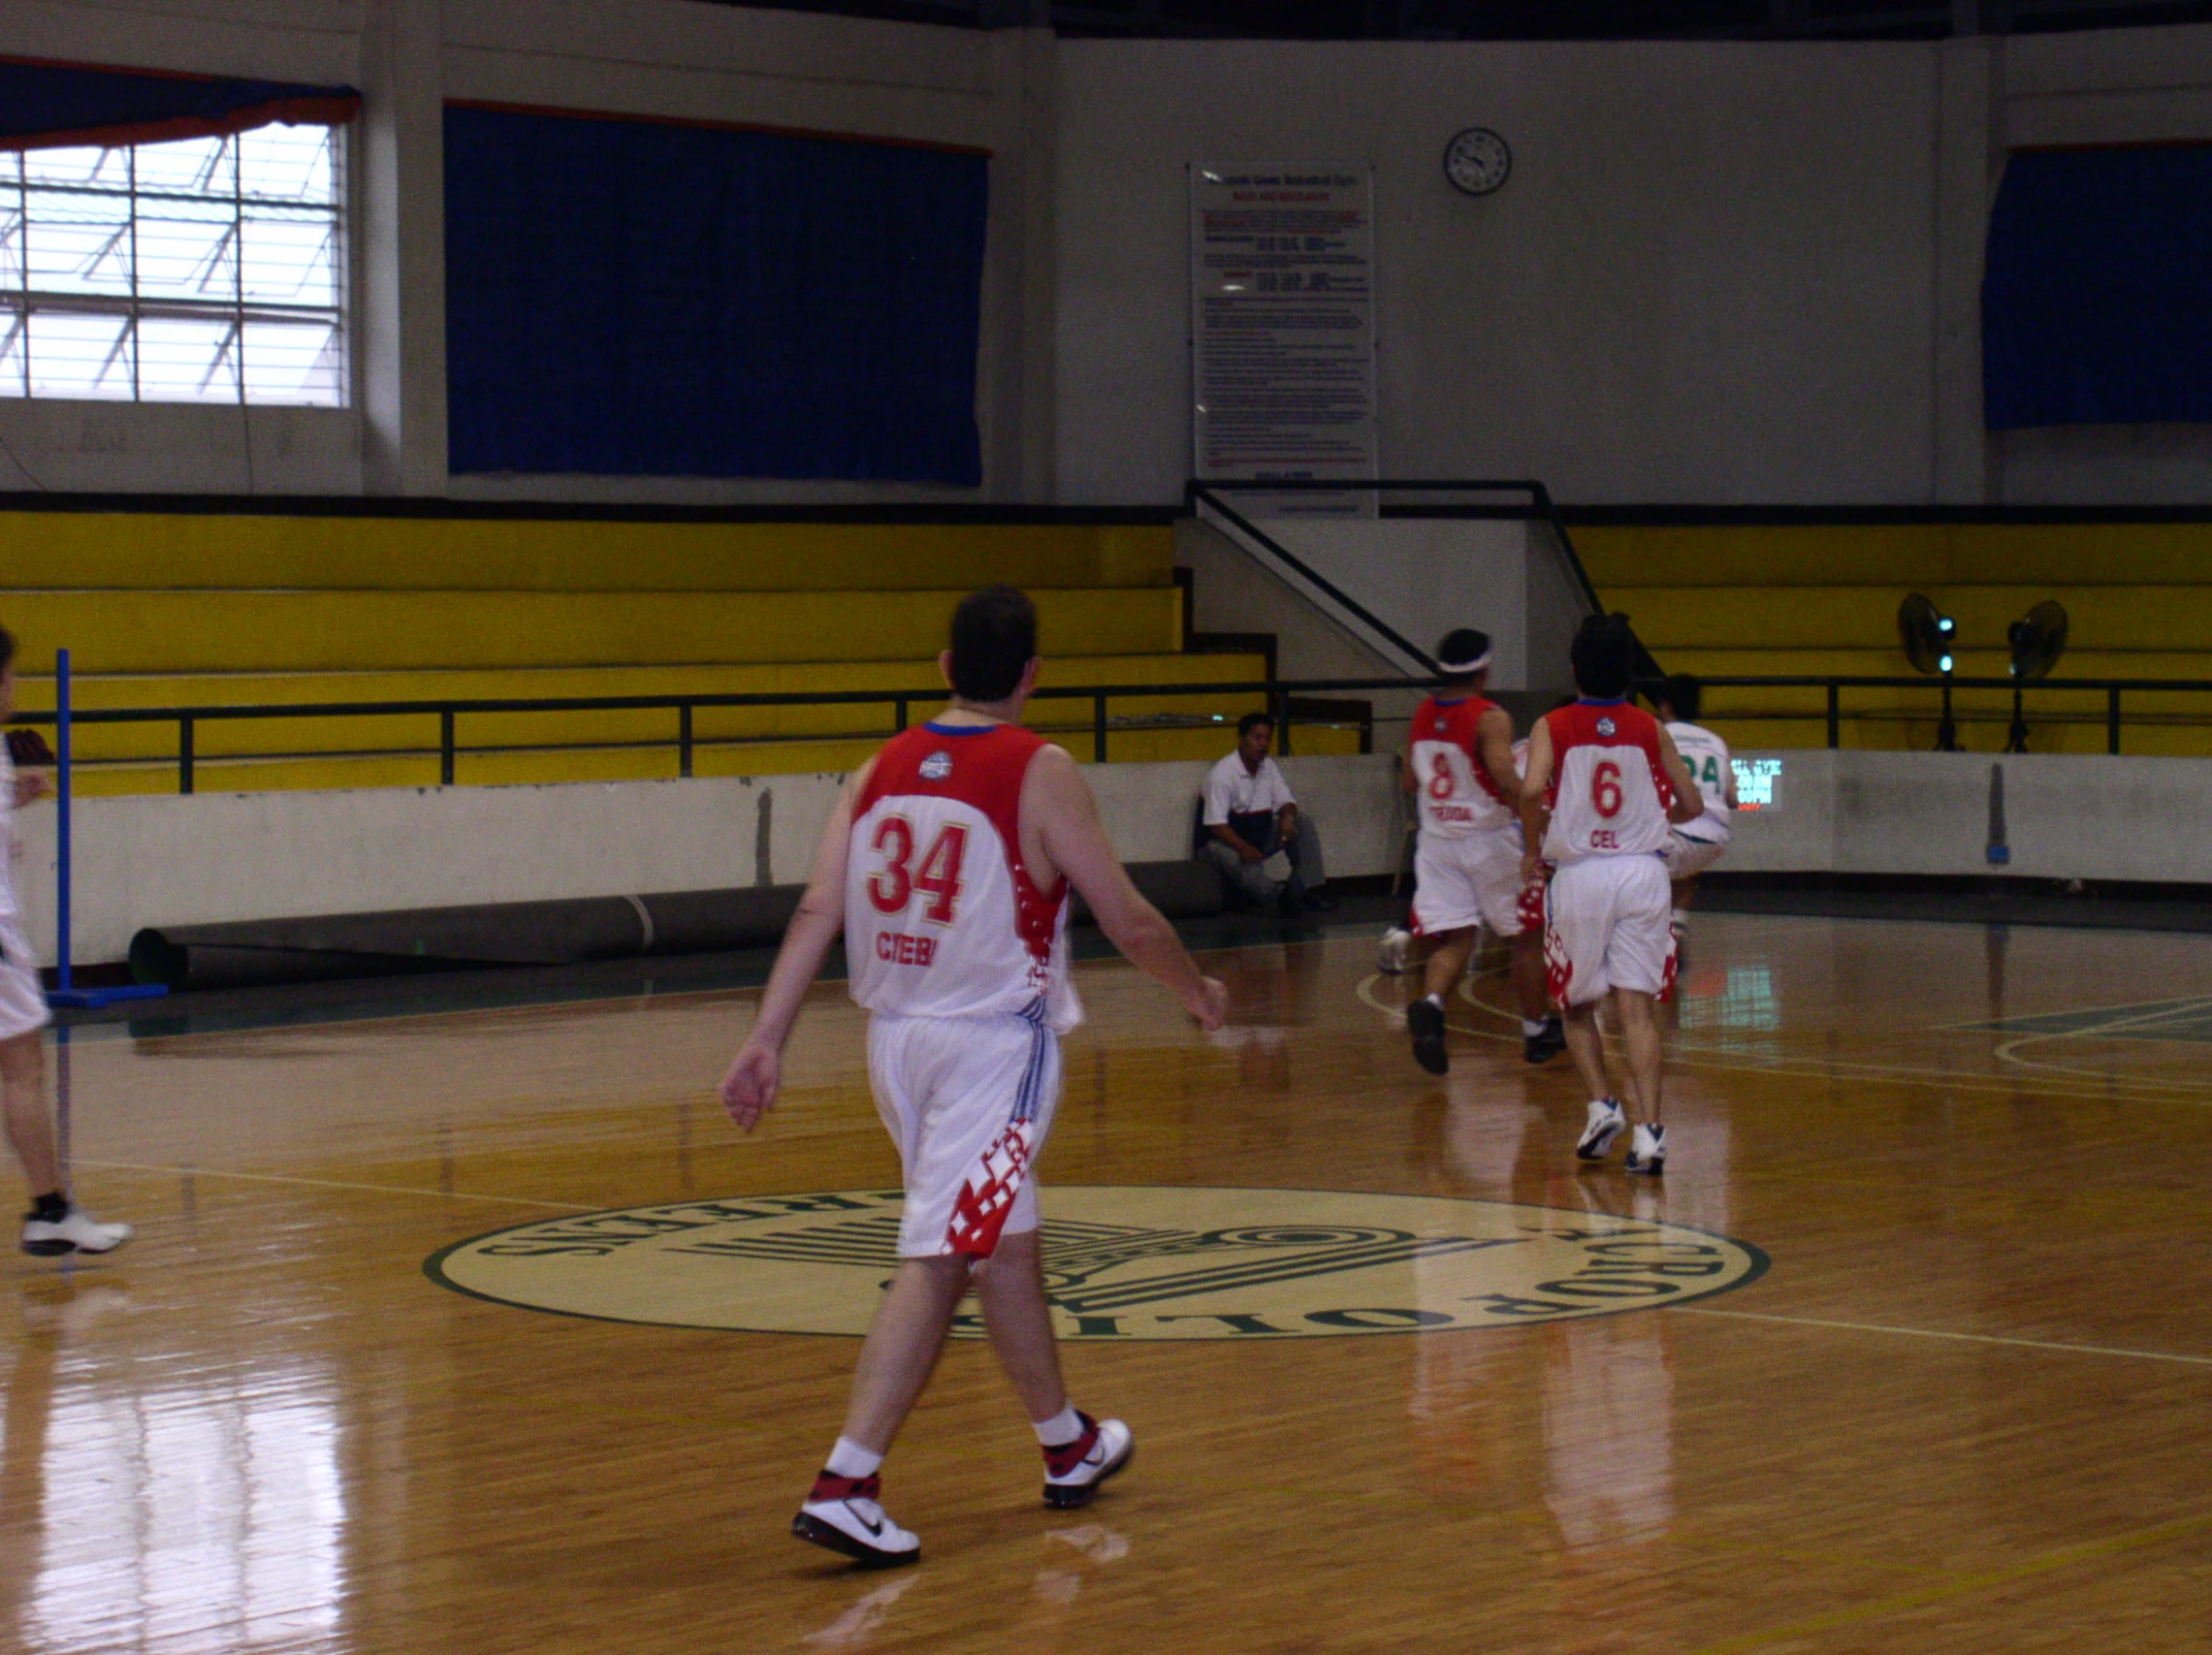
<point>2054,815</point>
<point>203,858</point>
<point>208,857</point>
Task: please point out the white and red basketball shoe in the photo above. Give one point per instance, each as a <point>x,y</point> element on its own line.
<point>1605,1123</point>
<point>1647,1150</point>
<point>1075,1471</point>
<point>844,1516</point>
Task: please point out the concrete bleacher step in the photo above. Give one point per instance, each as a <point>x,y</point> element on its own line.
<point>2168,618</point>
<point>173,631</point>
<point>1904,557</point>
<point>170,609</point>
<point>127,551</point>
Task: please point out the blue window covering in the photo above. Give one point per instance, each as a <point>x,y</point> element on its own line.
<point>2096,300</point>
<point>639,298</point>
<point>47,106</point>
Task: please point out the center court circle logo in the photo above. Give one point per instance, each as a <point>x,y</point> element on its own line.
<point>1120,1262</point>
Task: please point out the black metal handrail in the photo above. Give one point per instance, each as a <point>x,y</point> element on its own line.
<point>1540,507</point>
<point>1279,696</point>
<point>1834,686</point>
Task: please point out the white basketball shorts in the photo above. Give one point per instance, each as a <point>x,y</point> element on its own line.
<point>968,1101</point>
<point>22,996</point>
<point>1607,923</point>
<point>1687,857</point>
<point>1462,883</point>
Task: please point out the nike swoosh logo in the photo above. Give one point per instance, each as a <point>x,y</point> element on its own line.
<point>874,1528</point>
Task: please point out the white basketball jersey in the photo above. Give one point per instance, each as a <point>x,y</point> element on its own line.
<point>941,918</point>
<point>1609,789</point>
<point>1706,755</point>
<point>1457,797</point>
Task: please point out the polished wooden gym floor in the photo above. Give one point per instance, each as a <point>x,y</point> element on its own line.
<point>1968,1405</point>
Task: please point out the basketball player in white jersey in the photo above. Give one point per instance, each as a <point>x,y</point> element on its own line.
<point>1692,848</point>
<point>1603,783</point>
<point>1459,767</point>
<point>947,865</point>
<point>56,1226</point>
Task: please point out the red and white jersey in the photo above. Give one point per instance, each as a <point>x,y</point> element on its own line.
<point>1609,791</point>
<point>941,918</point>
<point>1457,797</point>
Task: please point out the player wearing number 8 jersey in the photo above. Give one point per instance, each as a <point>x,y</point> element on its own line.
<point>1603,781</point>
<point>1459,767</point>
<point>947,862</point>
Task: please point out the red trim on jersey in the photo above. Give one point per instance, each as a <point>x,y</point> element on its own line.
<point>988,765</point>
<point>1577,725</point>
<point>1458,723</point>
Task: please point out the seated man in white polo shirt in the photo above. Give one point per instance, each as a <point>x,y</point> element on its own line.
<point>1255,834</point>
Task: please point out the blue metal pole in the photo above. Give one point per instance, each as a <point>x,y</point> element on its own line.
<point>66,992</point>
<point>61,811</point>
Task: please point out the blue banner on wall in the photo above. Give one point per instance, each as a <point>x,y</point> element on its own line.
<point>638,299</point>
<point>2097,299</point>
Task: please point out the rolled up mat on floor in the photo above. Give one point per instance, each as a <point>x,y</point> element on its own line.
<point>321,948</point>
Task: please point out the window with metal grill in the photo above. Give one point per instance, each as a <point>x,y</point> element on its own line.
<point>206,271</point>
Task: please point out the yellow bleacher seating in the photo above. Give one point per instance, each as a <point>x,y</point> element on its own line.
<point>165,609</point>
<point>1821,599</point>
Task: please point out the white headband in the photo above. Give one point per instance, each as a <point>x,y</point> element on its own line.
<point>1458,667</point>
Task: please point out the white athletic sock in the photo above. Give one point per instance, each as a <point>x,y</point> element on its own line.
<point>849,1459</point>
<point>1061,1430</point>
<point>1436,1000</point>
<point>1530,1030</point>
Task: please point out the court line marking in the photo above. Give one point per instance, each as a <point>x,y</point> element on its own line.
<point>334,1183</point>
<point>1896,1072</point>
<point>1940,1333</point>
<point>1847,1066</point>
<point>1920,1598</point>
<point>2008,1052</point>
<point>1993,1025</point>
<point>1873,1074</point>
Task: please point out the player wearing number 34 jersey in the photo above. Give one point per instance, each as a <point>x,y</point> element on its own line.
<point>1603,781</point>
<point>947,862</point>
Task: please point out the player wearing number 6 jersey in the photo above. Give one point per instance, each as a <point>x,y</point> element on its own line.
<point>947,863</point>
<point>1603,781</point>
<point>1460,771</point>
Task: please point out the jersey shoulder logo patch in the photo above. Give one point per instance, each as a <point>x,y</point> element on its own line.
<point>937,766</point>
<point>1605,728</point>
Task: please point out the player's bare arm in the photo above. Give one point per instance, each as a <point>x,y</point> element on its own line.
<point>749,1090</point>
<point>1494,740</point>
<point>1689,803</point>
<point>1062,835</point>
<point>1535,805</point>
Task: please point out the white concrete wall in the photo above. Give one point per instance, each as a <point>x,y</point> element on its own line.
<point>1709,278</point>
<point>170,859</point>
<point>1419,577</point>
<point>2067,816</point>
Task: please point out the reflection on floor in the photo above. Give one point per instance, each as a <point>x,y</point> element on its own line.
<point>1964,1408</point>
